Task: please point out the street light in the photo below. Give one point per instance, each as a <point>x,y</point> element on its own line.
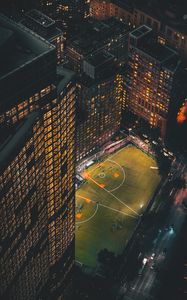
<point>130,129</point>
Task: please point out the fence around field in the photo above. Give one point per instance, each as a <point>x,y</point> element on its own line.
<point>112,147</point>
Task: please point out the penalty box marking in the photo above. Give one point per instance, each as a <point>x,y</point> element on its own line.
<point>96,210</point>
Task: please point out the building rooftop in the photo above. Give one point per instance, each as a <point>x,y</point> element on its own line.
<point>19,46</point>
<point>41,24</point>
<point>88,82</point>
<point>40,18</point>
<point>64,76</point>
<point>141,31</point>
<point>172,13</point>
<point>102,69</point>
<point>96,33</point>
<point>172,63</point>
<point>157,51</point>
<point>126,4</point>
<point>99,58</point>
<point>148,44</point>
<point>5,35</point>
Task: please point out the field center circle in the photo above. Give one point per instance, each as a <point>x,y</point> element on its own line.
<point>103,174</point>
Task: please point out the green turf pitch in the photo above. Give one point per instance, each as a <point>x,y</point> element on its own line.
<point>108,205</point>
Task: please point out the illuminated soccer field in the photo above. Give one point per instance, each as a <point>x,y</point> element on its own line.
<point>108,205</point>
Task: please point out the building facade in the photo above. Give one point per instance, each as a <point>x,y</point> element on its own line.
<point>37,162</point>
<point>168,20</point>
<point>100,9</point>
<point>98,104</point>
<point>171,27</point>
<point>150,78</point>
<point>123,10</point>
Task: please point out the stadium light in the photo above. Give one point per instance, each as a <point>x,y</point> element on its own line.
<point>130,129</point>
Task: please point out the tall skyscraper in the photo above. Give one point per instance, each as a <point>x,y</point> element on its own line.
<point>95,54</point>
<point>150,78</point>
<point>37,161</point>
<point>99,103</point>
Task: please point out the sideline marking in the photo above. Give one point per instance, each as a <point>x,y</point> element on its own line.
<point>118,211</point>
<point>102,205</point>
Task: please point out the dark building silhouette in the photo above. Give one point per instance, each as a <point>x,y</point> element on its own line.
<point>11,7</point>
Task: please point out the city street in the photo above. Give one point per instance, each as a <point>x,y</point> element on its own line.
<point>144,285</point>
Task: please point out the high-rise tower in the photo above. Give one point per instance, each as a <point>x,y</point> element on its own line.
<point>37,160</point>
<point>150,78</point>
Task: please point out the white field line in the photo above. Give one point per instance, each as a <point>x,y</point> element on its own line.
<point>110,191</point>
<point>90,178</point>
<point>117,152</point>
<point>122,202</point>
<point>123,172</point>
<point>118,211</point>
<point>87,220</point>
